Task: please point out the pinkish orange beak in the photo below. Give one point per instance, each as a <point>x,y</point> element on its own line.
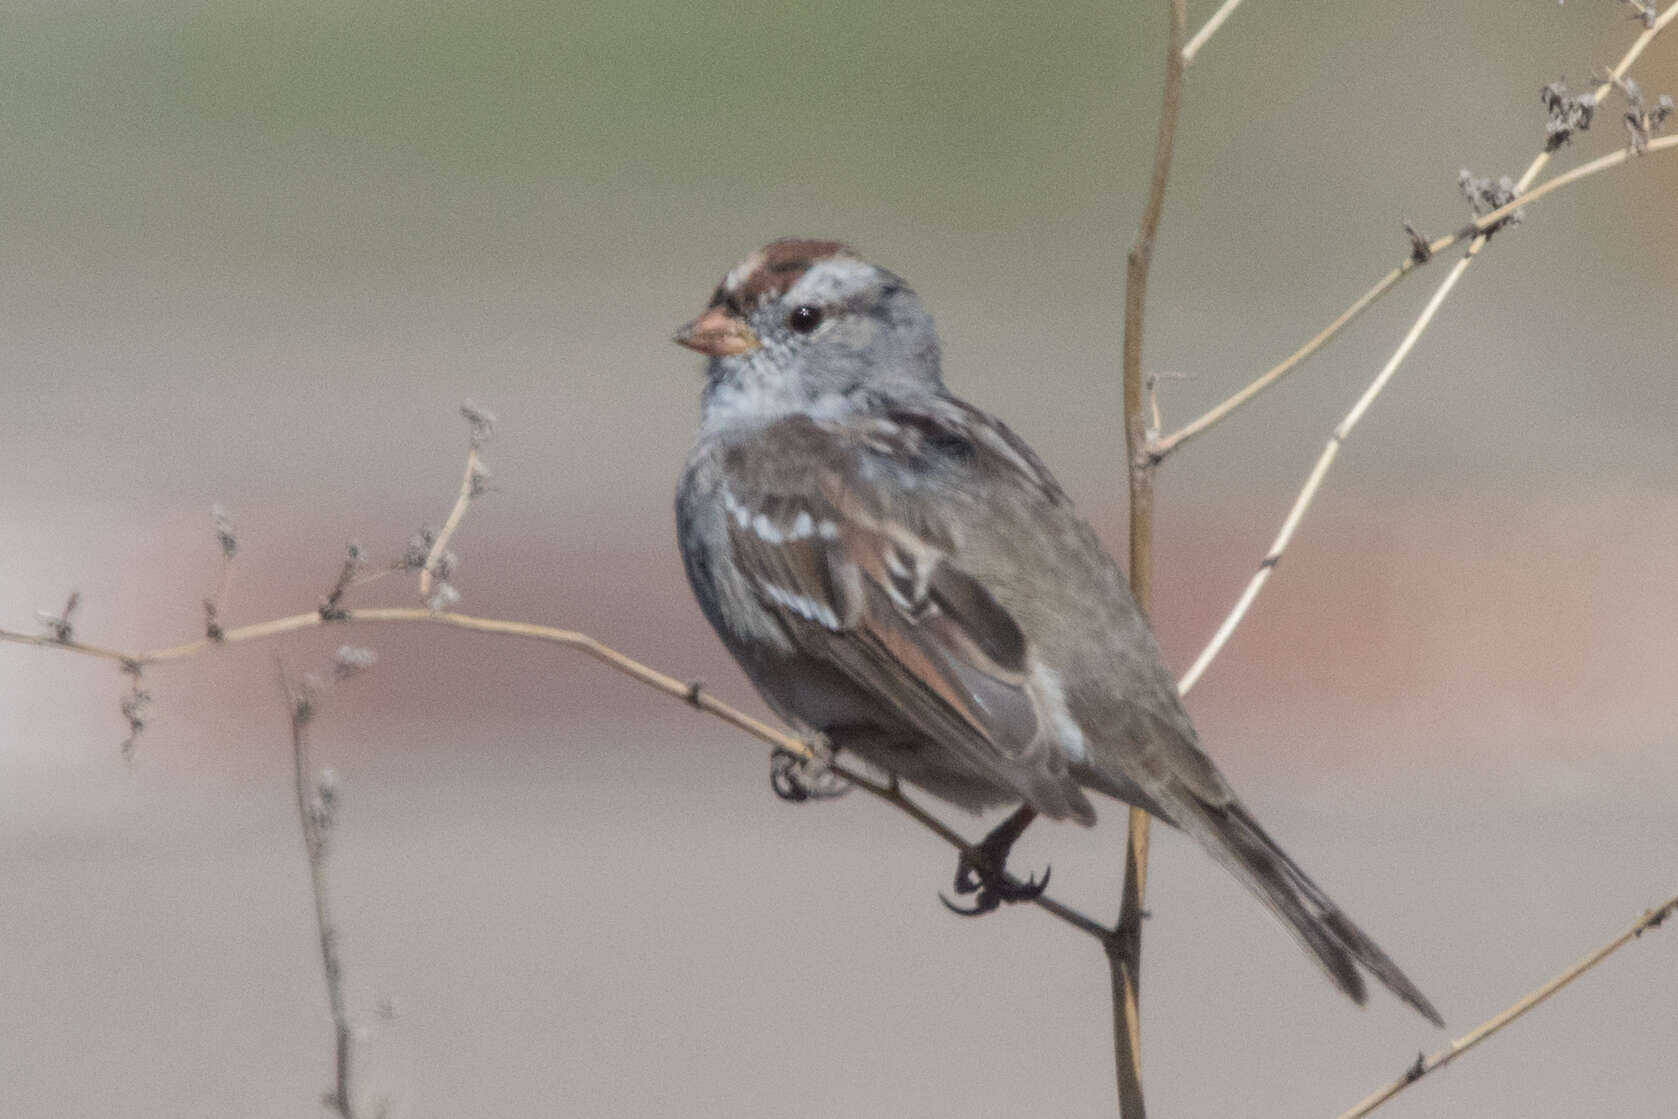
<point>718,333</point>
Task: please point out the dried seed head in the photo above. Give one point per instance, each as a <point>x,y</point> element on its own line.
<point>1565,115</point>
<point>331,607</point>
<point>1421,250</point>
<point>480,421</point>
<point>133,706</point>
<point>1642,122</point>
<point>418,550</point>
<point>59,626</point>
<point>1644,11</point>
<point>303,703</point>
<point>350,661</point>
<point>324,810</point>
<point>1485,195</point>
<point>224,531</point>
<point>443,597</point>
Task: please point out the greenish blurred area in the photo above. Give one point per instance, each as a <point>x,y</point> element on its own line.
<point>217,185</point>
<point>440,137</point>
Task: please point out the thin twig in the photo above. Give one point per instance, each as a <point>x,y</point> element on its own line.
<point>133,708</point>
<point>892,794</point>
<point>471,485</point>
<point>1209,29</point>
<point>60,635</point>
<point>315,814</point>
<point>684,691</point>
<point>1568,178</point>
<point>1469,1040</point>
<point>1165,445</point>
<point>1337,438</point>
<point>1124,943</point>
<point>216,604</point>
<point>440,544</point>
<point>1314,480</point>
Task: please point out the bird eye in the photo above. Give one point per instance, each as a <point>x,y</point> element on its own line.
<point>804,318</point>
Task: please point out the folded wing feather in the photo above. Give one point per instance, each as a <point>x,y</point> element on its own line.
<point>896,615</point>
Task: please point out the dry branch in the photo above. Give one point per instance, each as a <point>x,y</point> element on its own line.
<point>688,693</point>
<point>1423,252</point>
<point>436,567</point>
<point>1424,1065</point>
<point>1485,225</point>
<point>314,811</point>
<point>1124,944</point>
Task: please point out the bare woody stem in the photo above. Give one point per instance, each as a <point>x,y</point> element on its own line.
<point>1486,225</point>
<point>469,484</point>
<point>1163,446</point>
<point>1314,480</point>
<point>688,693</point>
<point>1124,944</point>
<point>696,697</point>
<point>1424,1065</point>
<point>1166,444</point>
<point>312,813</point>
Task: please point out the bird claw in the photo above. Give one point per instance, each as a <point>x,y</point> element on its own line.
<point>977,909</point>
<point>991,887</point>
<point>795,779</point>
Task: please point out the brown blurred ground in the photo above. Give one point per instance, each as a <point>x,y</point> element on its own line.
<point>255,256</point>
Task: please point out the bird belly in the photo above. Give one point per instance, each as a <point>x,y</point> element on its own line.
<point>824,700</point>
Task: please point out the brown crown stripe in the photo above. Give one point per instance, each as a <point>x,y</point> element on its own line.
<point>772,270</point>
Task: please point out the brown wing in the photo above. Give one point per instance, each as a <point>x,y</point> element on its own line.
<point>887,605</point>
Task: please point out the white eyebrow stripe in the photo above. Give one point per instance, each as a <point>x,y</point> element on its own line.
<point>832,280</point>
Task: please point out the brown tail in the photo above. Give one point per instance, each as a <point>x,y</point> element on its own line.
<point>1235,839</point>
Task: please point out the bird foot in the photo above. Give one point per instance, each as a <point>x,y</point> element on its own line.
<point>797,779</point>
<point>982,872</point>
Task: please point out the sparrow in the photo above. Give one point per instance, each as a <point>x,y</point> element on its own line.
<point>902,578</point>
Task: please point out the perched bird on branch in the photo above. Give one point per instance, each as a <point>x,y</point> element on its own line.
<point>900,575</point>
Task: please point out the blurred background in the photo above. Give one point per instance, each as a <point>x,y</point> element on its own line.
<point>256,254</point>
